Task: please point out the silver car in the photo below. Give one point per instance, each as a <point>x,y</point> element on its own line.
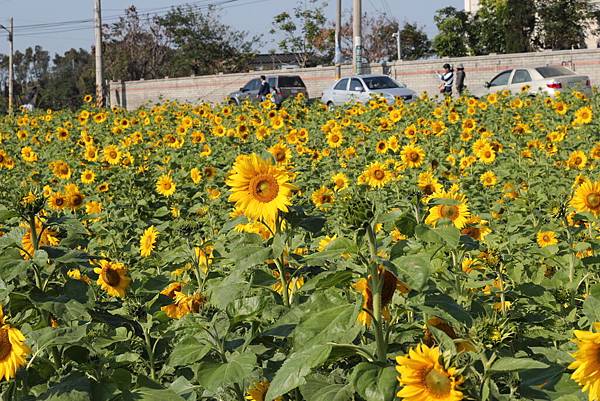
<point>362,88</point>
<point>545,80</point>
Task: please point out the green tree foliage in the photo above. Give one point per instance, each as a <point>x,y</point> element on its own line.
<point>136,48</point>
<point>72,76</point>
<point>203,44</point>
<point>414,42</point>
<point>563,24</point>
<point>301,33</point>
<point>452,39</point>
<point>520,27</point>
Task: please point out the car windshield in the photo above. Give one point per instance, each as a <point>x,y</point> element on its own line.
<point>383,82</point>
<point>548,72</point>
<point>290,82</point>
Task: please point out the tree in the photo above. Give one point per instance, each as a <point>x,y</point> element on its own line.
<point>136,48</point>
<point>452,39</point>
<point>486,29</point>
<point>563,24</point>
<point>71,77</point>
<point>414,42</point>
<point>302,33</point>
<point>521,20</point>
<point>203,44</point>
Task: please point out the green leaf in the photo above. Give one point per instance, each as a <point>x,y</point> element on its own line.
<point>591,308</point>
<point>413,270</point>
<point>317,388</point>
<point>509,364</point>
<point>152,394</point>
<point>213,375</point>
<point>188,351</point>
<point>374,382</point>
<point>295,368</point>
<point>335,324</point>
<point>71,388</point>
<point>248,256</point>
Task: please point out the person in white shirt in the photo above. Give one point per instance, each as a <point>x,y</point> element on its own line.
<point>447,80</point>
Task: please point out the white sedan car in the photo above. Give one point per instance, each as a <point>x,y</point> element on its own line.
<point>545,80</point>
<point>362,88</point>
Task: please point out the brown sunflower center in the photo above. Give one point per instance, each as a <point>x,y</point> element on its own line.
<point>339,183</point>
<point>280,156</point>
<point>5,345</point>
<point>578,160</point>
<point>437,383</point>
<point>76,200</point>
<point>545,238</point>
<point>59,201</point>
<point>428,189</point>
<point>335,138</point>
<point>166,185</point>
<point>379,174</point>
<point>413,157</point>
<point>449,212</point>
<point>326,199</point>
<point>381,145</point>
<point>113,154</point>
<point>593,200</point>
<point>111,277</point>
<point>264,188</point>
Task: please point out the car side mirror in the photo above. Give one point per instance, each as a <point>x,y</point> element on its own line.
<point>487,84</point>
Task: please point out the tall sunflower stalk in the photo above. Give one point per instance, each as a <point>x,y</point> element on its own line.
<point>376,284</point>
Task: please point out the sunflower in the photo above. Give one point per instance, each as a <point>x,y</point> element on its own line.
<point>424,378</point>
<point>45,236</point>
<point>281,153</point>
<point>323,198</point>
<point>61,169</point>
<point>340,180</point>
<point>88,177</point>
<point>259,189</point>
<point>335,138</point>
<point>487,154</point>
<point>57,201</point>
<point>28,154</point>
<point>577,160</point>
<point>546,238</point>
<point>587,198</point>
<point>195,175</point>
<point>13,350</point>
<point>412,156</point>
<point>294,284</point>
<point>488,179</point>
<point>587,361</point>
<point>390,284</point>
<point>476,228</point>
<point>182,304</point>
<point>165,185</point>
<point>583,116</point>
<point>376,175</point>
<point>147,241</point>
<point>112,278</point>
<point>381,147</point>
<point>453,207</point>
<point>111,155</point>
<point>73,196</point>
<point>258,391</point>
<point>428,184</point>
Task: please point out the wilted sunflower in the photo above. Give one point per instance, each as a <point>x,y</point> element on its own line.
<point>587,198</point>
<point>453,207</point>
<point>195,175</point>
<point>258,391</point>
<point>476,228</point>
<point>112,277</point>
<point>424,378</point>
<point>587,361</point>
<point>165,185</point>
<point>546,238</point>
<point>182,304</point>
<point>259,189</point>
<point>13,349</point>
<point>412,156</point>
<point>390,284</point>
<point>45,236</point>
<point>147,241</point>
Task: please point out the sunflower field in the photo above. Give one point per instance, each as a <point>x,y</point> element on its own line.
<point>431,251</point>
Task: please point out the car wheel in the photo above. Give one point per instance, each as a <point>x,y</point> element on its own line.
<point>330,106</point>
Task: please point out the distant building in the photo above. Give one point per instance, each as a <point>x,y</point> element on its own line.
<point>592,41</point>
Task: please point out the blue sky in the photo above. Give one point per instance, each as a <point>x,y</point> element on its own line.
<point>254,16</point>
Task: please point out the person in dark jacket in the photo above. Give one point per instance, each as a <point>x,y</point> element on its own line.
<point>265,88</point>
<point>460,78</point>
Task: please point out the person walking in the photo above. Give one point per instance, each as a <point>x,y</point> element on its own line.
<point>460,79</point>
<point>447,79</point>
<point>265,88</point>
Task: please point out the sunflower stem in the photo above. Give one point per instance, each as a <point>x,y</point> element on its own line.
<point>284,284</point>
<point>376,285</point>
<point>149,350</point>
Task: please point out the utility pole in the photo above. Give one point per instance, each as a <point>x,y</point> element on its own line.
<point>398,44</point>
<point>11,73</point>
<point>338,40</point>
<point>357,36</point>
<point>99,76</point>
